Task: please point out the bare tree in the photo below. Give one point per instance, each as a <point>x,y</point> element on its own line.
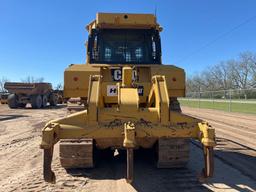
<point>195,83</point>
<point>59,86</point>
<point>220,76</point>
<point>190,85</point>
<point>211,83</point>
<point>232,74</point>
<point>2,82</point>
<point>250,58</point>
<point>31,79</point>
<point>241,71</point>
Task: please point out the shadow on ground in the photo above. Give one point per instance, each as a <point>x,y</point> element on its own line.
<point>10,117</point>
<point>59,106</point>
<point>146,176</point>
<point>233,171</point>
<point>237,155</point>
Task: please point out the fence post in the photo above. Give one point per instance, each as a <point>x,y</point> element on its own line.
<point>229,105</point>
<point>199,99</point>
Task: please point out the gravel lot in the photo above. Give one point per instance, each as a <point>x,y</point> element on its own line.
<point>21,158</point>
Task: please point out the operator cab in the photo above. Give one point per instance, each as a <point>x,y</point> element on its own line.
<point>118,40</point>
<point>124,46</point>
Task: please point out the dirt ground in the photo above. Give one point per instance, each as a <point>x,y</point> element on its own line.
<point>21,158</point>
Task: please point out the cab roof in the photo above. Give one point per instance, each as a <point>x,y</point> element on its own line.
<point>124,21</point>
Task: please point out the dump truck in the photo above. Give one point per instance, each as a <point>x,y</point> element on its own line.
<point>4,97</point>
<point>60,97</point>
<point>37,94</point>
<point>131,101</point>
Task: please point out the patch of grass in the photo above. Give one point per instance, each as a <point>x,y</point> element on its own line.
<point>223,106</point>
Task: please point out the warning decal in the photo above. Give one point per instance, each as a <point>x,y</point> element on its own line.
<point>111,90</point>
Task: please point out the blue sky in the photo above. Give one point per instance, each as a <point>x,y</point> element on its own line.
<point>41,38</point>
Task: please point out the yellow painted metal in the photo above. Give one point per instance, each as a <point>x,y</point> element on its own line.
<point>68,127</point>
<point>159,95</point>
<point>124,21</point>
<point>76,76</point>
<point>94,101</point>
<point>99,122</point>
<point>127,77</point>
<point>76,79</point>
<point>207,134</point>
<point>129,100</point>
<point>125,119</point>
<point>129,135</point>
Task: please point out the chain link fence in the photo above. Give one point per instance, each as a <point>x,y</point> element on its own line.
<point>233,100</point>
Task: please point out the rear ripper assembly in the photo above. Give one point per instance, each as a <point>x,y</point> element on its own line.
<point>90,123</point>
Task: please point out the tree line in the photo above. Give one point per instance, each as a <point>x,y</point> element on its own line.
<point>237,73</point>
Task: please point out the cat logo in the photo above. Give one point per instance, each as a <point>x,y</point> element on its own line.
<point>117,75</point>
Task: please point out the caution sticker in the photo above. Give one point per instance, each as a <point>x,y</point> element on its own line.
<point>111,90</point>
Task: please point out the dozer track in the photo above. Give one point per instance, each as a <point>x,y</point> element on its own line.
<point>76,153</point>
<point>172,152</point>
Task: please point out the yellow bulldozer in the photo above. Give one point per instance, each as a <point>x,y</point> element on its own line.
<point>130,100</point>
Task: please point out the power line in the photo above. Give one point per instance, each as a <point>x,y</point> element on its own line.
<point>218,38</point>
